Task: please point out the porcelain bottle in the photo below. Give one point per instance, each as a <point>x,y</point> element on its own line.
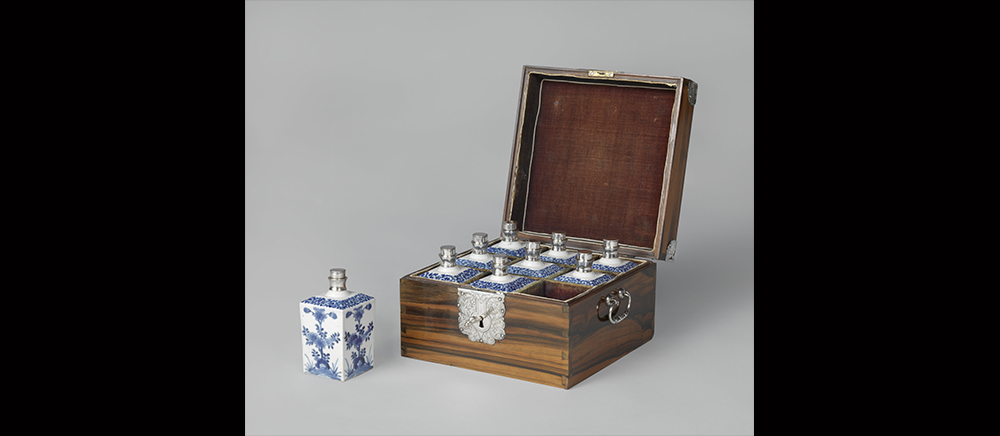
<point>610,261</point>
<point>479,257</point>
<point>337,331</point>
<point>448,270</point>
<point>532,265</point>
<point>508,245</point>
<point>558,253</point>
<point>500,280</point>
<point>584,273</point>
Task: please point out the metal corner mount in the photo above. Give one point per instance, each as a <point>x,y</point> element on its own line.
<point>671,249</point>
<point>480,315</point>
<point>692,92</point>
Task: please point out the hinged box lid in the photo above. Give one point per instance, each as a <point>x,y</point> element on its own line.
<point>600,155</point>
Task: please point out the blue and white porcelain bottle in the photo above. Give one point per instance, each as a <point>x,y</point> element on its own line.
<point>508,245</point>
<point>448,271</point>
<point>584,273</point>
<point>532,266</point>
<point>610,261</point>
<point>337,329</point>
<point>479,258</point>
<point>500,280</point>
<point>558,253</point>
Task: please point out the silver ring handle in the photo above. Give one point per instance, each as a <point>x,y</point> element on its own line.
<point>613,301</point>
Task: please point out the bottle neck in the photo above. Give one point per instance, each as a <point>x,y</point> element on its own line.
<point>558,241</point>
<point>584,262</point>
<point>500,266</point>
<point>338,285</point>
<point>447,256</point>
<point>531,254</point>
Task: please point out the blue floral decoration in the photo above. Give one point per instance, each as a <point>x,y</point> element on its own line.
<point>361,357</point>
<point>616,269</point>
<point>513,253</point>
<point>473,263</point>
<point>337,304</point>
<point>318,341</point>
<point>540,273</point>
<point>319,314</point>
<point>320,363</point>
<point>461,277</point>
<point>571,261</point>
<point>600,279</point>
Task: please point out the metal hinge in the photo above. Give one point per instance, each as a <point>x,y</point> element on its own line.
<point>672,250</point>
<point>597,73</point>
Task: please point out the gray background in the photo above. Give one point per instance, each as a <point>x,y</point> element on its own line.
<point>377,131</point>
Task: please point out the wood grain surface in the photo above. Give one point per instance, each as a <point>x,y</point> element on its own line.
<point>535,348</point>
<point>555,334</point>
<point>600,159</point>
<point>595,343</point>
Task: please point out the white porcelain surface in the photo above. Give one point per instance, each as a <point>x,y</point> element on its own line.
<point>610,261</point>
<point>559,254</point>
<point>515,245</point>
<point>532,264</point>
<point>588,276</point>
<point>485,257</point>
<point>453,271</point>
<point>455,274</point>
<point>337,335</point>
<point>496,279</point>
<point>338,295</point>
<point>536,269</point>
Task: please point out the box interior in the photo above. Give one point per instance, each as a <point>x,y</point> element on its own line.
<point>592,158</point>
<point>544,288</point>
<point>556,290</point>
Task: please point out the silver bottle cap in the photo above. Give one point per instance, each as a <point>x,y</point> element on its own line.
<point>509,231</point>
<point>532,251</point>
<point>479,241</point>
<point>338,279</point>
<point>584,261</point>
<point>447,256</point>
<point>500,265</point>
<point>558,241</point>
<point>610,248</point>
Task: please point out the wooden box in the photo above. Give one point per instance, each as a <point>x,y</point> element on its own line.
<point>597,155</point>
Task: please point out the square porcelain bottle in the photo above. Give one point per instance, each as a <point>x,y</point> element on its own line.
<point>500,280</point>
<point>584,273</point>
<point>532,266</point>
<point>337,330</point>
<point>448,270</point>
<point>558,253</point>
<point>508,245</point>
<point>610,261</point>
<point>479,258</point>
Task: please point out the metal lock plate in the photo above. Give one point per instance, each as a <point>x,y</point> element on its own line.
<point>480,315</point>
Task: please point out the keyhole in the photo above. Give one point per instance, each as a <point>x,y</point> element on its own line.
<point>480,323</point>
